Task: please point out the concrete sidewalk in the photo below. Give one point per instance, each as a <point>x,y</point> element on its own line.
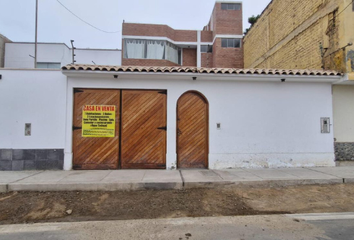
<point>163,179</point>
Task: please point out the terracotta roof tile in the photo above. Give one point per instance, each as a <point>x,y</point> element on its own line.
<point>81,67</point>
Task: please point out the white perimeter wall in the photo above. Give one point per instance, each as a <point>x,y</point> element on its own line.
<point>263,124</point>
<point>37,97</point>
<point>17,55</point>
<point>98,56</point>
<point>343,105</point>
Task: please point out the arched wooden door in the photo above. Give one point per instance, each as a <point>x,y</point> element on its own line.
<point>192,131</point>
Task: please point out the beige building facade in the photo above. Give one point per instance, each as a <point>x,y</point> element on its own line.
<point>3,40</point>
<point>310,34</point>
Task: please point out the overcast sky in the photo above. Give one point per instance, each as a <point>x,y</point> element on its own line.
<point>17,18</point>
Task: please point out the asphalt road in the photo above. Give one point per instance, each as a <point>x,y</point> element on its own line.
<point>270,227</point>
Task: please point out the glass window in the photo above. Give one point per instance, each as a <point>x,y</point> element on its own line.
<point>231,43</point>
<point>231,6</point>
<point>151,49</point>
<point>237,43</point>
<point>237,6</point>
<point>47,65</point>
<point>135,48</point>
<point>224,42</point>
<point>155,49</point>
<point>206,48</point>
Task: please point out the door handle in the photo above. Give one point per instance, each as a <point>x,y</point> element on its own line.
<point>162,128</point>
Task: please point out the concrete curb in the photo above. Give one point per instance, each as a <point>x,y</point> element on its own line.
<point>93,186</point>
<point>348,180</point>
<point>264,183</point>
<point>131,186</point>
<point>3,188</point>
<point>135,180</point>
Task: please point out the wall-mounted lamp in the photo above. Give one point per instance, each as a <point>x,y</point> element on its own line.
<point>282,80</point>
<point>0,76</point>
<point>194,78</point>
<point>115,76</point>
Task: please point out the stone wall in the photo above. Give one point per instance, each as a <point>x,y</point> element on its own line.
<point>344,151</point>
<point>31,159</point>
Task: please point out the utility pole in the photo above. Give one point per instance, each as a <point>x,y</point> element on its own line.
<point>36,35</point>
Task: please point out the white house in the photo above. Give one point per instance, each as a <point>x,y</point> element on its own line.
<point>104,117</point>
<point>56,55</point>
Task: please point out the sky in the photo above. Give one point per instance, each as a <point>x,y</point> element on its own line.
<point>56,24</point>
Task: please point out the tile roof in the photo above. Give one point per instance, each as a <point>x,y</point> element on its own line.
<point>82,67</point>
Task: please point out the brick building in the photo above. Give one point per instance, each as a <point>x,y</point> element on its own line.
<point>311,34</point>
<point>218,45</point>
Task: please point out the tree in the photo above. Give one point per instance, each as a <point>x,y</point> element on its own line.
<point>252,20</point>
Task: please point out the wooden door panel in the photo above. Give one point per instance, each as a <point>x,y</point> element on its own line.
<point>95,153</point>
<point>192,131</point>
<point>143,144</point>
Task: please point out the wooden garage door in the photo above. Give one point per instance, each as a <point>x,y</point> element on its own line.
<point>192,131</point>
<point>143,129</point>
<point>95,152</point>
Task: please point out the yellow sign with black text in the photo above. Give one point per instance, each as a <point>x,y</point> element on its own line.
<point>98,121</point>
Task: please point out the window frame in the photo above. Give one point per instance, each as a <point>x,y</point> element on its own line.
<point>179,50</point>
<point>209,48</point>
<point>231,6</point>
<point>231,43</point>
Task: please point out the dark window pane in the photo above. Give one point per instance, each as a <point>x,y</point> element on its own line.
<point>237,43</point>
<point>237,6</point>
<point>230,6</point>
<point>210,49</point>
<point>180,56</point>
<point>204,48</point>
<point>224,42</point>
<point>224,6</point>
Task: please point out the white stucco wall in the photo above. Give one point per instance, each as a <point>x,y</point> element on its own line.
<point>263,124</point>
<point>343,111</point>
<point>17,55</point>
<point>37,97</point>
<point>99,56</point>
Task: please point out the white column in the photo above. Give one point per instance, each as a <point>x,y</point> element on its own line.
<point>68,153</point>
<point>199,54</point>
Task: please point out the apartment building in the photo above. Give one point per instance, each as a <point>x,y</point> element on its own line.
<point>218,45</point>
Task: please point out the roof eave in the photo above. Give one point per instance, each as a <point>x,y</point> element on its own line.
<point>207,76</point>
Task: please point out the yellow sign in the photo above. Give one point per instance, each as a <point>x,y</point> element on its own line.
<point>98,121</point>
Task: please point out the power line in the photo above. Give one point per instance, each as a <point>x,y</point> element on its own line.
<point>345,8</point>
<point>84,20</point>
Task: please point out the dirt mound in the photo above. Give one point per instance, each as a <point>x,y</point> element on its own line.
<point>25,207</point>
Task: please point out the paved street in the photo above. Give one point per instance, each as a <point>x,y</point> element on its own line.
<point>276,227</point>
<point>166,179</point>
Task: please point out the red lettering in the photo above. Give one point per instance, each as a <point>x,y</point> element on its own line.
<point>89,108</point>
